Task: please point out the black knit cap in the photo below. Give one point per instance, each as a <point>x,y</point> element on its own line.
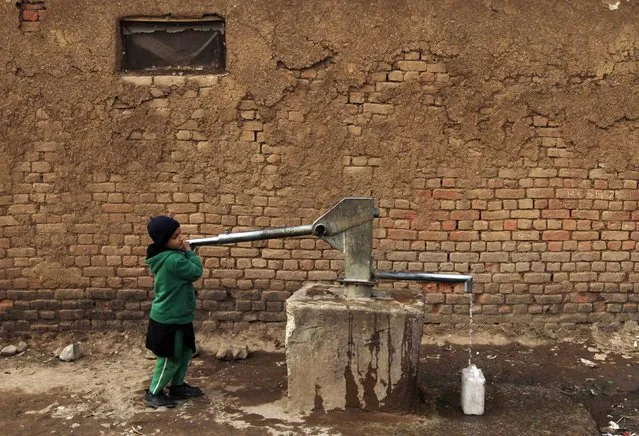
<point>161,228</point>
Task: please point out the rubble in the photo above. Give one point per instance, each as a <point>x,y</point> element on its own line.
<point>232,352</point>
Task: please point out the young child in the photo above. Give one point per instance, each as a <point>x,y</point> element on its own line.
<point>170,334</point>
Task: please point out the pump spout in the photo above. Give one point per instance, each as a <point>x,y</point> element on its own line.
<point>467,280</point>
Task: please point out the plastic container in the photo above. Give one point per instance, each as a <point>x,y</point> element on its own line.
<point>472,391</point>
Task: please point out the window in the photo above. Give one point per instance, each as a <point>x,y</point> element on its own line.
<point>160,46</point>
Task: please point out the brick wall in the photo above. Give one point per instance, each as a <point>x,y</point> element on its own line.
<point>547,227</point>
<point>31,14</point>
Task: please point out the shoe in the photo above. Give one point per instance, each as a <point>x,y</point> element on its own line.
<point>184,391</point>
<point>159,400</point>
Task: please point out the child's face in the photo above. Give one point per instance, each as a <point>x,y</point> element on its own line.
<point>177,241</point>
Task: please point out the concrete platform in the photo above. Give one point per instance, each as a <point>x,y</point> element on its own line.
<point>352,353</point>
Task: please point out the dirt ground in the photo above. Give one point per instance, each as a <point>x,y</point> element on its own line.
<point>536,384</point>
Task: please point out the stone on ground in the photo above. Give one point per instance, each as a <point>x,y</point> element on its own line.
<point>9,350</point>
<point>232,352</point>
<point>22,346</point>
<point>70,353</point>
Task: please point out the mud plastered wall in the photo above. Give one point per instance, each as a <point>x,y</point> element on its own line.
<point>499,138</point>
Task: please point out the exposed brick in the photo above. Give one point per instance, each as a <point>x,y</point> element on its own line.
<point>402,234</point>
<point>612,277</point>
<point>531,235</point>
<point>509,193</point>
<point>247,135</point>
<point>506,278</point>
<point>464,236</point>
<point>464,215</point>
<point>242,305</point>
<point>490,299</point>
<point>272,316</point>
<point>132,294</point>
<point>524,299</point>
<point>614,235</point>
<point>377,108</point>
<point>357,97</point>
<point>30,26</point>
<point>69,294</point>
<point>555,235</point>
<point>259,274</point>
<point>585,236</point>
<point>396,76</point>
<point>540,192</point>
<point>275,295</point>
<point>412,65</point>
<point>275,254</point>
<point>291,275</point>
<point>576,318</point>
<point>255,126</point>
<point>537,277</point>
<point>322,275</point>
<point>446,194</point>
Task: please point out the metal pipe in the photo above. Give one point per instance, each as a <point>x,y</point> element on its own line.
<point>256,235</point>
<point>467,280</point>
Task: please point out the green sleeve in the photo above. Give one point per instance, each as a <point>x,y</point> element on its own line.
<point>187,266</point>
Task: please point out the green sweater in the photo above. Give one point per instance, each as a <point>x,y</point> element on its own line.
<point>175,272</point>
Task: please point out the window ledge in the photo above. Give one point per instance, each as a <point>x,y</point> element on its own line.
<point>202,80</point>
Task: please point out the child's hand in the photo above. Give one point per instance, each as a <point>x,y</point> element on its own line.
<point>186,246</point>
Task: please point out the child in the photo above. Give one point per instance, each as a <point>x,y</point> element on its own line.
<point>170,334</point>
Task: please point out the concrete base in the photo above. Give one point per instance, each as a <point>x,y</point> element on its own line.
<point>352,353</point>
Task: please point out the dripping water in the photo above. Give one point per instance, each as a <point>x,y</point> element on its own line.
<point>470,327</point>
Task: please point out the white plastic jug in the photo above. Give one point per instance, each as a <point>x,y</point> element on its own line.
<point>472,391</point>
